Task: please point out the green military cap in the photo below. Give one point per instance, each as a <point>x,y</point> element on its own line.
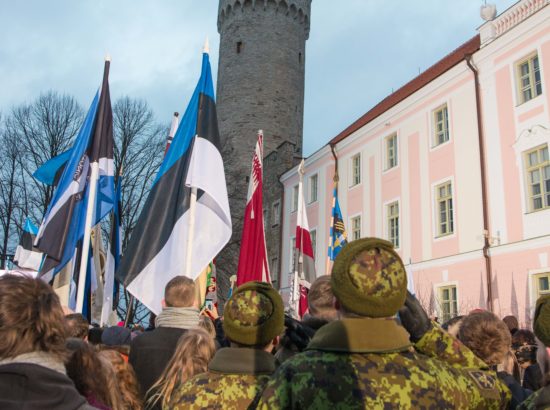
<point>254,314</point>
<point>541,326</point>
<point>369,279</point>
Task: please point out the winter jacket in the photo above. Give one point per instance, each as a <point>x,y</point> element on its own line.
<point>519,394</point>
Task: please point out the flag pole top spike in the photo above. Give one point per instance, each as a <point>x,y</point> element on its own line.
<point>261,132</point>
<point>301,169</point>
<point>108,57</point>
<point>206,47</point>
<point>176,114</point>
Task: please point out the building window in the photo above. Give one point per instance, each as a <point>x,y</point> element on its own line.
<point>293,254</point>
<point>393,223</point>
<point>275,213</point>
<point>266,215</point>
<point>313,236</point>
<point>528,78</point>
<point>239,46</point>
<point>444,207</point>
<point>448,304</point>
<point>538,178</point>
<point>355,170</point>
<point>274,269</point>
<point>541,284</point>
<point>391,151</point>
<point>441,125</point>
<point>356,228</point>
<point>313,188</point>
<point>294,204</point>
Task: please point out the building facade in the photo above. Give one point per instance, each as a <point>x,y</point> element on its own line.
<point>260,86</point>
<point>454,169</point>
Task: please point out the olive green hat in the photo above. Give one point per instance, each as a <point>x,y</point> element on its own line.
<point>254,314</point>
<point>369,279</point>
<point>541,326</point>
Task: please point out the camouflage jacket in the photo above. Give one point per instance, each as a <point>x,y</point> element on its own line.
<point>370,363</point>
<point>538,400</point>
<point>234,378</point>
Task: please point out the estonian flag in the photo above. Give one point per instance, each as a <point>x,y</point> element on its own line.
<point>63,224</point>
<point>26,255</point>
<point>50,171</point>
<point>157,250</point>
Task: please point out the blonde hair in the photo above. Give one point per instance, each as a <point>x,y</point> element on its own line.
<point>193,352</point>
<point>125,378</point>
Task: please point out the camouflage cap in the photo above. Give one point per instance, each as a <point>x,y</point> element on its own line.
<point>369,279</point>
<point>254,314</point>
<point>541,326</point>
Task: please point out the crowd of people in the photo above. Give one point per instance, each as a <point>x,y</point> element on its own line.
<point>365,343</point>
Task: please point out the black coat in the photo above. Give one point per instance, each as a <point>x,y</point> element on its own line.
<point>31,386</point>
<point>150,352</point>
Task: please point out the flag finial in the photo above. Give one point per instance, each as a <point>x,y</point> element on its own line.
<point>108,57</point>
<point>206,47</point>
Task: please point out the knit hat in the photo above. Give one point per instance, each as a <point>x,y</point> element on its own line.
<point>369,279</point>
<point>542,320</point>
<point>116,336</point>
<point>254,315</point>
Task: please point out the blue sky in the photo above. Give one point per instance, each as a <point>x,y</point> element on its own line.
<point>357,53</point>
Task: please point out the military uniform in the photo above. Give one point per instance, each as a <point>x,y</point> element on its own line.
<point>367,360</point>
<point>234,378</point>
<point>253,317</point>
<point>369,363</point>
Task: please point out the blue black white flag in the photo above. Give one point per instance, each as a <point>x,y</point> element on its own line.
<point>26,255</point>
<point>50,172</point>
<point>338,235</point>
<point>157,250</point>
<point>63,224</point>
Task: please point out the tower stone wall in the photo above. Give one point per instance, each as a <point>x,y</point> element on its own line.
<point>260,86</point>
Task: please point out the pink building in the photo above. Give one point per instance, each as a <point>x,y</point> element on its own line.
<point>454,171</point>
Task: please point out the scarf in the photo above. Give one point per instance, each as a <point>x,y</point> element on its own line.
<point>39,358</point>
<point>178,317</point>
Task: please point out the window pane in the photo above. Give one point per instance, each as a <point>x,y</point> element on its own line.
<point>543,283</point>
<point>537,203</point>
<point>533,159</point>
<point>535,176</point>
<point>524,68</point>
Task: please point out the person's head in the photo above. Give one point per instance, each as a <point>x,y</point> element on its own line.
<point>254,316</point>
<point>116,336</point>
<point>368,279</point>
<point>320,299</point>
<point>125,378</point>
<point>524,346</point>
<point>453,325</point>
<point>77,326</point>
<point>541,328</point>
<point>180,292</point>
<point>206,323</point>
<point>31,318</point>
<point>487,336</point>
<point>89,375</point>
<point>512,323</point>
<point>194,351</point>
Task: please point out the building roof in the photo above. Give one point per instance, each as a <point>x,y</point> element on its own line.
<point>446,63</point>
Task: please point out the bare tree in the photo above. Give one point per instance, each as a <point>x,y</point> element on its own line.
<point>11,192</point>
<point>46,127</point>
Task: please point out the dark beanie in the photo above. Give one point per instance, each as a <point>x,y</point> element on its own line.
<point>369,279</point>
<point>116,336</point>
<point>542,319</point>
<point>254,315</point>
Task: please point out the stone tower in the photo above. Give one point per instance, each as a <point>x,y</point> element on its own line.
<point>260,86</point>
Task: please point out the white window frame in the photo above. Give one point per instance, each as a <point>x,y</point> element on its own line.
<point>439,307</point>
<point>294,198</point>
<point>435,202</point>
<point>313,188</point>
<point>527,169</point>
<point>433,121</point>
<point>533,274</point>
<point>529,59</point>
<point>387,165</point>
<point>352,182</point>
<point>387,206</point>
<point>351,232</point>
<point>276,212</point>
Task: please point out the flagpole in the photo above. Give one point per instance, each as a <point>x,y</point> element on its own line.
<point>191,233</point>
<point>87,231</point>
<point>86,239</point>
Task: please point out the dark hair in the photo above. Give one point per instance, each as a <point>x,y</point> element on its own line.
<point>77,326</point>
<point>512,323</point>
<point>486,335</point>
<point>31,318</point>
<point>180,292</point>
<point>452,321</point>
<point>320,299</point>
